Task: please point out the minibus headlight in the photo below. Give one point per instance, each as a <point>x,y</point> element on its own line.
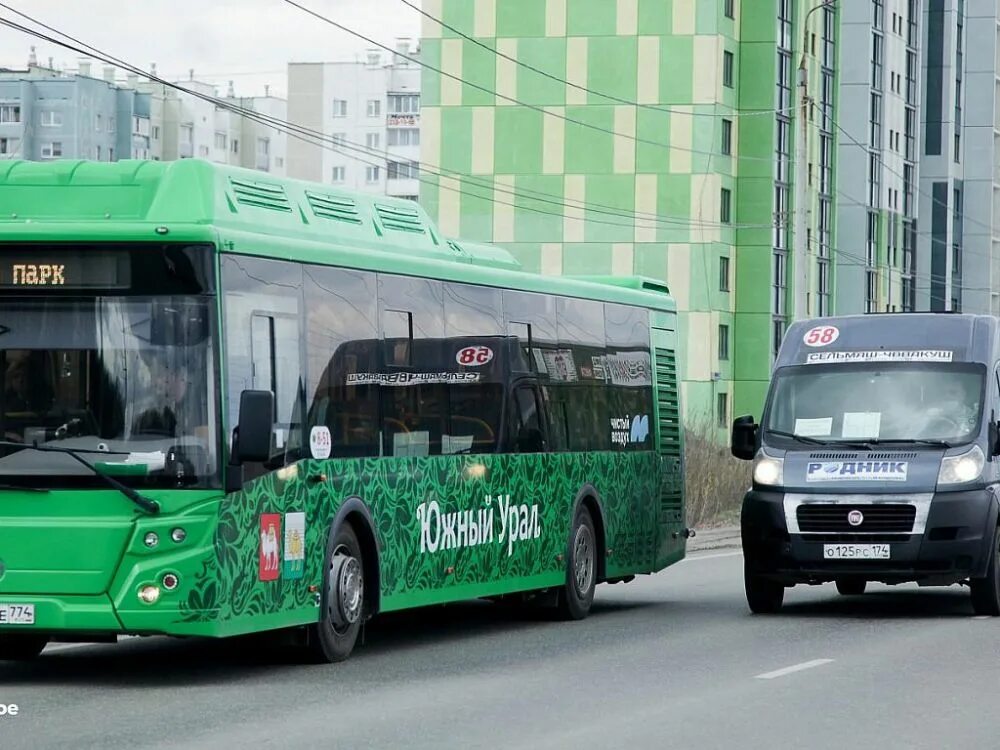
<point>768,470</point>
<point>964,468</point>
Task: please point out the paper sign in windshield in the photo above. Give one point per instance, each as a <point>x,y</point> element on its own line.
<point>927,355</point>
<point>862,424</point>
<point>814,427</point>
<point>857,471</point>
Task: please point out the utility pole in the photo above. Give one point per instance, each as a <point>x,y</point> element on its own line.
<point>802,253</point>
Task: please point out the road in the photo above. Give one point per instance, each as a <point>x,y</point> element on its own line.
<point>669,661</point>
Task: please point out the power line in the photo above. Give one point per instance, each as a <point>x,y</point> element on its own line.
<point>319,139</point>
<point>542,110</point>
<point>580,87</point>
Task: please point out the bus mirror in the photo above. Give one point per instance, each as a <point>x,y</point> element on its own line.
<point>253,439</point>
<point>744,440</point>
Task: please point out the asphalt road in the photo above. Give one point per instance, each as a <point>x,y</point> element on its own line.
<point>670,661</point>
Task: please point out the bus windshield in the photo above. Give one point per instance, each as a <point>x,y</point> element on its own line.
<point>132,377</point>
<point>905,401</point>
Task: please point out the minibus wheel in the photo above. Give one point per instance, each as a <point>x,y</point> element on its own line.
<point>21,646</point>
<point>986,590</point>
<point>764,596</point>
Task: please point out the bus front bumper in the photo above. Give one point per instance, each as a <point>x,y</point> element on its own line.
<point>955,546</point>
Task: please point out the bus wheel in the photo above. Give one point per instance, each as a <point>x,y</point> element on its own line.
<point>986,591</point>
<point>851,586</point>
<point>577,593</point>
<point>764,596</point>
<point>21,646</point>
<point>332,639</point>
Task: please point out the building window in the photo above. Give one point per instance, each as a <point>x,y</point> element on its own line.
<point>877,62</point>
<point>374,107</point>
<point>723,343</point>
<point>371,174</point>
<point>722,409</point>
<point>236,145</point>
<point>727,69</point>
<point>52,150</point>
<point>220,141</point>
<point>51,119</point>
<point>112,125</point>
<point>725,206</point>
<point>372,140</point>
<point>727,137</point>
<point>98,156</point>
<point>187,134</point>
<point>402,170</point>
<point>339,174</point>
<point>340,108</point>
<point>203,152</point>
<point>404,137</point>
<point>156,132</point>
<point>723,273</point>
<point>339,139</point>
<point>404,104</point>
<point>10,113</point>
<point>264,147</point>
<point>99,123</point>
<point>9,146</point>
<point>728,9</point>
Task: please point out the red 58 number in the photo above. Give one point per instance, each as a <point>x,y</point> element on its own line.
<point>474,356</point>
<point>821,335</point>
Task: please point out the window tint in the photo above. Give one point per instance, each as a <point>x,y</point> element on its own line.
<point>342,358</point>
<point>528,435</point>
<point>263,310</point>
<point>415,396</point>
<point>530,316</point>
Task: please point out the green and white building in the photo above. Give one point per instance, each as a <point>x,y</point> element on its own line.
<point>659,143</point>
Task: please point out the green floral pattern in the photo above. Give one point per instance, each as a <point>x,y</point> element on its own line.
<point>228,586</point>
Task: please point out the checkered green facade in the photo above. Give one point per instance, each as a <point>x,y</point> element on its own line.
<point>520,177</point>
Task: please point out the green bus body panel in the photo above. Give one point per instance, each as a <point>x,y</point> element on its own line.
<point>79,556</point>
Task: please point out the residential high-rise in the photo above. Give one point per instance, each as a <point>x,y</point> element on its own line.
<point>658,140</point>
<point>369,113</point>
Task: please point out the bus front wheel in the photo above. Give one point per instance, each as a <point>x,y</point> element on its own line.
<point>577,593</point>
<point>21,646</point>
<point>342,610</point>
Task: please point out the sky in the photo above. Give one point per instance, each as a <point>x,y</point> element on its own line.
<point>247,41</point>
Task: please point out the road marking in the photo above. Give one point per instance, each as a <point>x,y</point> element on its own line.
<point>793,668</point>
<point>712,557</point>
<point>983,617</point>
<point>65,646</point>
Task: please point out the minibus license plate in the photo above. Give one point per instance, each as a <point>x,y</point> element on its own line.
<point>855,551</point>
<point>17,614</point>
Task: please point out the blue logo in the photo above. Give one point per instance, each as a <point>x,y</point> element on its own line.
<point>640,429</point>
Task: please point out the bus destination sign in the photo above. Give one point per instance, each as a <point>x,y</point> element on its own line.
<point>92,270</point>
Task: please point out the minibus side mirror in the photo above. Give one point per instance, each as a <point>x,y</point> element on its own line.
<point>744,440</point>
<point>253,437</point>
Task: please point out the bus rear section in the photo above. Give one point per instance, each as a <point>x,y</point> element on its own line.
<point>876,459</point>
<point>109,461</point>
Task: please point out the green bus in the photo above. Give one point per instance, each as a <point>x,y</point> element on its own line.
<point>236,403</point>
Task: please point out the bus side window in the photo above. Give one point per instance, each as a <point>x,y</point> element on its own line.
<point>555,409</point>
<point>527,433</point>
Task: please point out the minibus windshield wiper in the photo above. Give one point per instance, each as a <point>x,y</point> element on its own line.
<point>913,441</point>
<point>801,438</point>
<point>150,506</point>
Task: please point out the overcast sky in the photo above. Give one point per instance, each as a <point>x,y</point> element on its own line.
<point>247,41</point>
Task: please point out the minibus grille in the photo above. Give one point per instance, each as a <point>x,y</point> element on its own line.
<point>876,518</point>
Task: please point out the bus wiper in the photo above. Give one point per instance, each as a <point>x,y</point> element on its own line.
<point>19,488</point>
<point>150,506</point>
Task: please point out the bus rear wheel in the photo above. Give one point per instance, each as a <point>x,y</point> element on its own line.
<point>577,593</point>
<point>343,603</point>
<point>21,646</point>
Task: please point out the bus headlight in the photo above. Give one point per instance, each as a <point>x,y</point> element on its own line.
<point>964,468</point>
<point>768,470</point>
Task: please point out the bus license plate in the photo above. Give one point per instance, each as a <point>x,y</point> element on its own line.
<point>855,551</point>
<point>17,614</point>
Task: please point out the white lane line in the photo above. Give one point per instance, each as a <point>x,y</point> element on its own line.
<point>793,668</point>
<point>712,557</point>
<point>65,646</point>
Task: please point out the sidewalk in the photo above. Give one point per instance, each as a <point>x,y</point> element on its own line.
<point>722,538</point>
